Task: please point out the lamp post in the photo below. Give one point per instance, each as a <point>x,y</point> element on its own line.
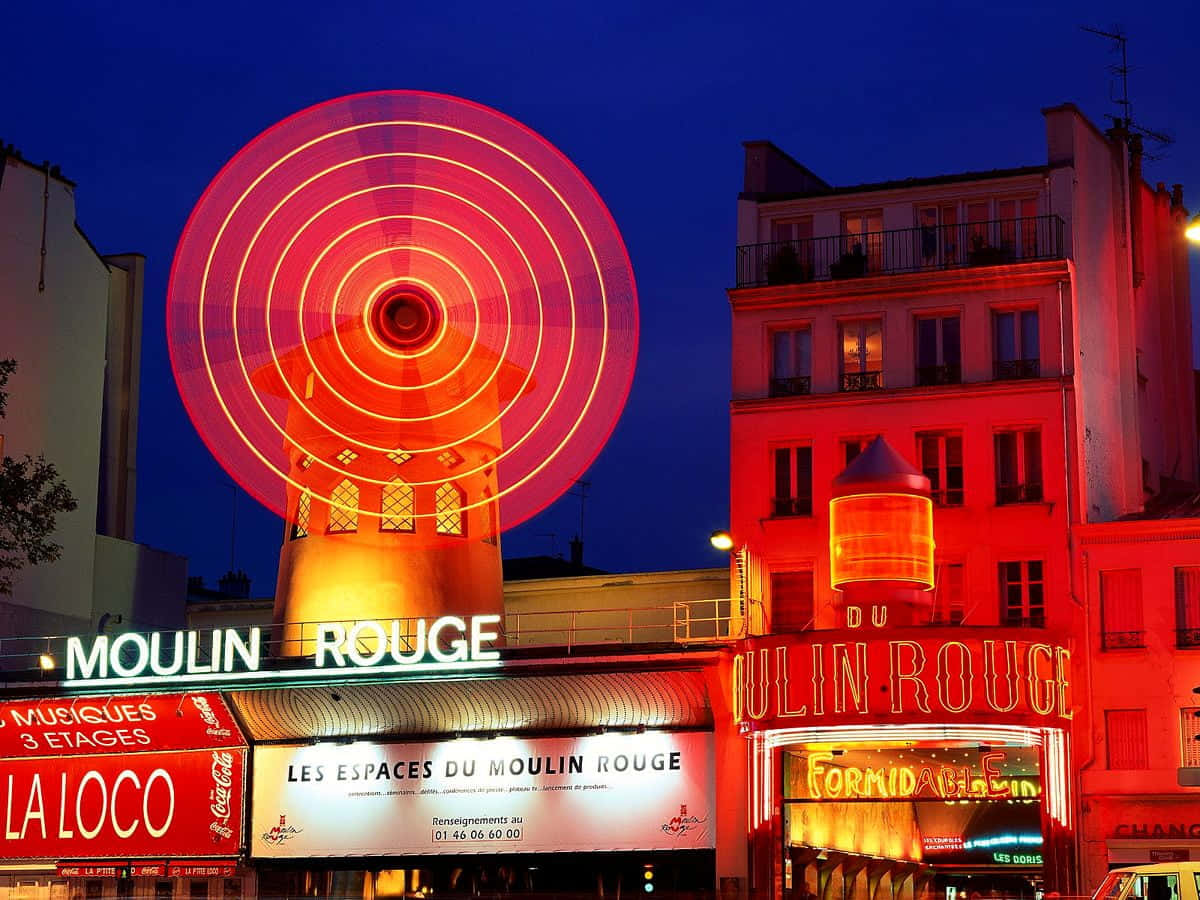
<point>1192,231</point>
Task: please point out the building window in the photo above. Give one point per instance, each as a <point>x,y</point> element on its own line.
<point>792,604</point>
<point>793,482</point>
<point>198,890</point>
<point>939,235</point>
<point>939,360</point>
<point>1121,609</point>
<point>942,463</point>
<point>1189,735</point>
<point>790,261</point>
<point>852,447</point>
<point>862,244</point>
<point>397,507</point>
<point>1187,606</point>
<point>949,600</point>
<point>303,514</point>
<point>791,363</point>
<point>1022,594</point>
<point>448,503</point>
<point>1018,466</point>
<point>1018,227</point>
<point>1125,737</point>
<point>343,509</point>
<point>862,354</point>
<point>1015,352</point>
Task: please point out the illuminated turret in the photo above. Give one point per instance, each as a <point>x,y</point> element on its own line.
<point>881,533</point>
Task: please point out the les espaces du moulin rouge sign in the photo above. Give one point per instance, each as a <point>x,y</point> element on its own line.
<point>449,643</point>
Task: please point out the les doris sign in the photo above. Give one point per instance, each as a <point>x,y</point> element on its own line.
<point>508,795</point>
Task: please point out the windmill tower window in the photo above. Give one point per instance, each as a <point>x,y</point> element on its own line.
<point>343,509</point>
<point>303,513</point>
<point>448,504</point>
<point>397,507</point>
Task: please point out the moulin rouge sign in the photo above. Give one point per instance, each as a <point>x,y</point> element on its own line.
<point>849,677</point>
<point>226,654</point>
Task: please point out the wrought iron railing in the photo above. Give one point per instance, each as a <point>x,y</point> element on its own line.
<point>1033,621</point>
<point>862,381</point>
<point>1123,640</point>
<point>993,243</point>
<point>950,373</point>
<point>794,386</point>
<point>1018,493</point>
<point>1009,369</point>
<point>1187,637</point>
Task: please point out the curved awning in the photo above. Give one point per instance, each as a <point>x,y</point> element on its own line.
<point>525,703</point>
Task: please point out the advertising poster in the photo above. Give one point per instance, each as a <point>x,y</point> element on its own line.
<point>114,724</point>
<point>651,791</point>
<point>121,806</point>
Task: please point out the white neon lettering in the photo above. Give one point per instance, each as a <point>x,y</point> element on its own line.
<point>193,664</point>
<point>330,638</point>
<point>156,665</point>
<point>478,636</point>
<point>377,641</point>
<point>418,651</point>
<point>140,661</point>
<point>81,666</point>
<point>250,653</point>
<point>459,648</point>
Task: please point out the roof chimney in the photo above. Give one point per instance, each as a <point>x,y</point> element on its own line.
<point>235,584</point>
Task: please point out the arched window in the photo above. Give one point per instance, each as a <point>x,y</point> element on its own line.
<point>343,508</point>
<point>448,504</point>
<point>303,512</point>
<point>396,507</point>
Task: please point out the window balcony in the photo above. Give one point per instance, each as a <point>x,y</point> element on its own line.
<point>1018,493</point>
<point>1187,638</point>
<point>999,242</point>
<point>1010,369</point>
<point>951,373</point>
<point>862,381</point>
<point>1034,621</point>
<point>791,387</point>
<point>1123,640</point>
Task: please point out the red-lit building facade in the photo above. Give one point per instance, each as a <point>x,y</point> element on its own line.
<point>1023,337</point>
<point>979,706</point>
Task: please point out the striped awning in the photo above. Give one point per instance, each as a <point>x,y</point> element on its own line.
<point>673,699</point>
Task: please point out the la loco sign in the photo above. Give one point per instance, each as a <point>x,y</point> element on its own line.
<point>120,806</point>
<point>851,676</point>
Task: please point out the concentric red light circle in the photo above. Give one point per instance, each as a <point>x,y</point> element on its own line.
<point>409,286</point>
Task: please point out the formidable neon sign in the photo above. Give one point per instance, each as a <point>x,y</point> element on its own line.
<point>225,654</point>
<point>827,677</point>
<point>827,779</point>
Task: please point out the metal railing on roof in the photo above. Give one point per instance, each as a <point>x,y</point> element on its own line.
<point>921,249</point>
<point>681,623</point>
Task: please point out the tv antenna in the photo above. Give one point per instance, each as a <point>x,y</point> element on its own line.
<point>581,491</point>
<point>1120,43</point>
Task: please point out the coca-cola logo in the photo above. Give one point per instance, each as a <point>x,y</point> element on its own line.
<point>221,796</point>
<point>209,717</point>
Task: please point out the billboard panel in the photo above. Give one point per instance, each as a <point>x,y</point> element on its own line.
<point>122,806</point>
<point>651,791</point>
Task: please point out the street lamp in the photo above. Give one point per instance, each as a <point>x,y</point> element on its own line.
<point>1192,231</point>
<point>721,540</point>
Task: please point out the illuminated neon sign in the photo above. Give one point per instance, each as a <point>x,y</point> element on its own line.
<point>225,654</point>
<point>826,779</point>
<point>831,677</point>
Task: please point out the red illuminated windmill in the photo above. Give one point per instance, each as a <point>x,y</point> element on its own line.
<point>404,322</point>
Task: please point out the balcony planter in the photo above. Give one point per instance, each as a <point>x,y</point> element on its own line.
<point>851,265</point>
<point>785,267</point>
<point>986,255</point>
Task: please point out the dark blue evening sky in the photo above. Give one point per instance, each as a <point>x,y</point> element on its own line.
<point>141,103</point>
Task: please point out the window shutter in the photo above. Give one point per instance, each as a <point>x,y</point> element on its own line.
<point>792,604</point>
<point>1125,733</point>
<point>1121,601</point>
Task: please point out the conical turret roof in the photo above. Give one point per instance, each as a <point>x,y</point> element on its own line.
<point>880,468</point>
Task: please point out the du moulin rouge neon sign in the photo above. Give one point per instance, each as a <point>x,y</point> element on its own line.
<point>446,644</point>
